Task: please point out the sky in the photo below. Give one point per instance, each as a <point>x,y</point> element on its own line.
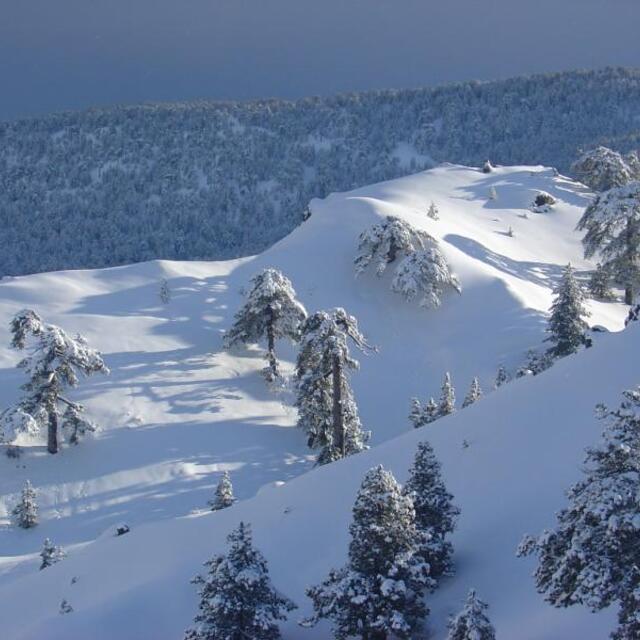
<point>71,54</point>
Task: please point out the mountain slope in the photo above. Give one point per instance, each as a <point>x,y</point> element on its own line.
<point>220,180</point>
<point>176,411</point>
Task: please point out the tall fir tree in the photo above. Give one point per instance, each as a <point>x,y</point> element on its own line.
<point>612,225</point>
<point>566,323</point>
<point>55,363</point>
<point>474,394</point>
<point>25,512</point>
<point>270,311</point>
<point>237,599</point>
<point>436,515</point>
<point>472,622</point>
<point>327,411</point>
<point>224,494</point>
<point>591,556</point>
<point>447,402</point>
<point>50,554</point>
<point>420,414</point>
<point>379,593</point>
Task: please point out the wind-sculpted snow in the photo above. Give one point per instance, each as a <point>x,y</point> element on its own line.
<point>178,411</point>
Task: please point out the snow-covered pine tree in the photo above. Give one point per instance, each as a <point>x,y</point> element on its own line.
<point>271,311</point>
<point>591,556</point>
<point>224,494</point>
<point>472,622</point>
<point>493,194</point>
<point>474,393</point>
<point>327,411</point>
<point>50,554</point>
<point>433,212</point>
<point>237,598</point>
<point>379,592</point>
<point>612,223</point>
<point>447,402</point>
<point>54,364</point>
<point>74,424</point>
<point>25,512</point>
<point>388,241</point>
<point>600,284</point>
<point>435,513</point>
<point>165,292</point>
<point>501,377</point>
<point>487,167</point>
<point>566,322</point>
<point>420,414</point>
<point>510,232</point>
<point>422,270</point>
<point>424,275</point>
<point>603,169</point>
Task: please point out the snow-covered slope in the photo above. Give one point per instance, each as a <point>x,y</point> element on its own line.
<point>176,411</point>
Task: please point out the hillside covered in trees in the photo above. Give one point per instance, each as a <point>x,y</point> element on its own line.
<point>213,180</point>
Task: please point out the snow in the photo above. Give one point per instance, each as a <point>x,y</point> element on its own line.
<point>177,411</point>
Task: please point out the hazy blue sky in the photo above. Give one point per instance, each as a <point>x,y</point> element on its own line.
<point>61,54</point>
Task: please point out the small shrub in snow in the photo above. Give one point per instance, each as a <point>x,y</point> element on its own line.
<point>327,411</point>
<point>271,311</point>
<point>165,292</point>
<point>422,271</point>
<point>536,363</point>
<point>433,212</point>
<point>436,515</point>
<point>65,607</point>
<point>510,232</point>
<point>487,167</point>
<point>493,194</point>
<point>379,592</point>
<point>50,554</point>
<point>237,599</point>
<point>591,556</point>
<point>224,494</point>
<point>472,622</point>
<point>543,202</point>
<point>25,513</point>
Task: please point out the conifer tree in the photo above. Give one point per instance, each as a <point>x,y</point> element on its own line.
<point>487,167</point>
<point>271,311</point>
<point>501,377</point>
<point>435,513</point>
<point>421,272</point>
<point>165,292</point>
<point>224,494</point>
<point>327,411</point>
<point>603,169</point>
<point>447,402</point>
<point>54,364</point>
<point>591,556</point>
<point>474,394</point>
<point>420,414</point>
<point>237,599</point>
<point>25,513</point>
<point>379,592</point>
<point>493,194</point>
<point>472,622</point>
<point>600,284</point>
<point>433,211</point>
<point>566,323</point>
<point>612,223</point>
<point>50,554</point>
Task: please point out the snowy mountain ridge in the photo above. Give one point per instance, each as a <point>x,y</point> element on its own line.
<point>177,411</point>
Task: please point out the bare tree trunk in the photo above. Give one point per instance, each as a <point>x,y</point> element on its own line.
<point>52,433</point>
<point>338,417</point>
<point>271,344</point>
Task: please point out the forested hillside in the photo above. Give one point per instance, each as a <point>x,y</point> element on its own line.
<point>217,180</point>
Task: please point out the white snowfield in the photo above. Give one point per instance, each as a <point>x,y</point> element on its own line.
<point>177,411</point>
